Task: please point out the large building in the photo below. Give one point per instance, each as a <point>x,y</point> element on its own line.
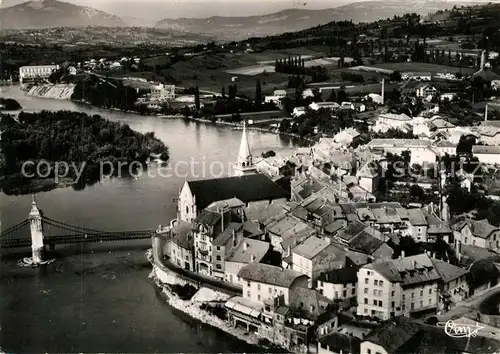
<point>35,72</point>
<point>161,93</point>
<point>253,189</point>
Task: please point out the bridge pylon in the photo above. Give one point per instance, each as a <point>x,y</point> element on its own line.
<point>36,228</point>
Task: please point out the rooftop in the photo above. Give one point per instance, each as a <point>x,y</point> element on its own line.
<point>268,274</point>
<point>247,188</point>
<point>247,249</point>
<point>338,342</point>
<point>347,275</point>
<point>311,247</point>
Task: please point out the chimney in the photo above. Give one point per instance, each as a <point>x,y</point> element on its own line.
<point>486,113</point>
<point>383,91</point>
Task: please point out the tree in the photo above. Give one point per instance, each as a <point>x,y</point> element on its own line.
<point>197,98</point>
<point>223,92</point>
<point>332,97</point>
<point>258,93</point>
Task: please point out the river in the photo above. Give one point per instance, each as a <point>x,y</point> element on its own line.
<point>98,298</point>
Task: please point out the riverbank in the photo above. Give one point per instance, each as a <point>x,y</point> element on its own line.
<point>249,127</point>
<point>17,185</point>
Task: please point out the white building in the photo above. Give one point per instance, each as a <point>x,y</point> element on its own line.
<point>323,105</point>
<point>37,71</point>
<point>386,121</point>
<point>338,284</point>
<point>161,92</point>
<point>487,154</point>
<point>420,150</point>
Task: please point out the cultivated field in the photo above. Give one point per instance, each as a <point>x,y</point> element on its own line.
<point>423,67</point>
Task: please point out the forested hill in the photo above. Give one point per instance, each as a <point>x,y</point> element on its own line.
<point>72,137</point>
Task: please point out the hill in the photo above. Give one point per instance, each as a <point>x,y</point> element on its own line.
<point>53,13</point>
<point>237,28</point>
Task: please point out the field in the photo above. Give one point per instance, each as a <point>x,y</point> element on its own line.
<point>423,67</point>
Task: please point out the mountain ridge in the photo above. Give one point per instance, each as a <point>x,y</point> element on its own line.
<point>53,13</point>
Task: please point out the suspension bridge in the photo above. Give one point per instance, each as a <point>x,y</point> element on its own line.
<point>30,233</point>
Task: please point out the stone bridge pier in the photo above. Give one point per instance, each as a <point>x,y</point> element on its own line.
<point>36,228</point>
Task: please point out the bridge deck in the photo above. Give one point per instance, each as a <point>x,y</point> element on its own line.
<point>72,239</point>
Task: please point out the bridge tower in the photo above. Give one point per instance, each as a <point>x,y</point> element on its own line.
<point>37,246</point>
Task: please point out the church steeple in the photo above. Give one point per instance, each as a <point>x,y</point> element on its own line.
<point>244,164</point>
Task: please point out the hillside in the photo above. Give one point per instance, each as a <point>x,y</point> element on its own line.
<point>237,28</point>
<point>53,13</point>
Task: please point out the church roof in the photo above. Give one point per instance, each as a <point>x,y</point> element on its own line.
<point>247,188</point>
<point>244,152</point>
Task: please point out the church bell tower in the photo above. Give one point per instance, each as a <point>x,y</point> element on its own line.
<point>244,164</point>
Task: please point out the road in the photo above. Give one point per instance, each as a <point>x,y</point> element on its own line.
<point>469,305</point>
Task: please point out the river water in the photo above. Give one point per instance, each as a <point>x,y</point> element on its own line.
<point>97,298</point>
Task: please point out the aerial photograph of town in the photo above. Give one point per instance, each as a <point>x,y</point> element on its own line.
<point>250,176</point>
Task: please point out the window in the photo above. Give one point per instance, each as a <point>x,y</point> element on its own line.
<point>393,293</point>
<point>404,297</point>
<point>430,301</point>
<point>369,272</point>
<point>368,351</point>
<point>465,240</point>
<point>270,290</point>
<point>380,303</point>
<point>218,248</point>
<point>187,258</point>
<point>258,287</point>
<point>366,301</point>
<point>366,280</point>
<point>374,292</point>
<point>218,258</point>
<point>248,294</point>
<point>380,293</point>
<point>412,295</point>
<point>344,293</point>
<point>393,304</point>
<point>375,302</point>
<point>412,306</point>
<point>421,303</point>
<point>366,311</point>
<point>430,291</point>
<point>353,291</point>
<point>336,294</point>
<point>421,293</point>
<point>375,282</point>
<point>258,297</point>
<point>218,266</point>
<point>366,290</point>
<point>248,283</point>
<point>473,242</point>
<point>381,283</point>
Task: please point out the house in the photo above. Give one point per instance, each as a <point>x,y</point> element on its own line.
<point>248,251</point>
<point>386,121</point>
<point>316,255</point>
<point>406,286</point>
<point>484,274</point>
<point>298,111</point>
<point>250,189</point>
<point>369,176</point>
<point>283,227</point>
<point>275,166</point>
<point>263,282</point>
<point>338,343</point>
<point>182,246</point>
<point>443,147</point>
<point>338,284</point>
<point>279,93</point>
<point>417,225</point>
<point>405,335</point>
<point>476,233</point>
<point>323,105</point>
<point>359,107</point>
<point>162,93</point>
<point>418,76</point>
<point>307,93</point>
<point>215,232</point>
<point>420,150</point>
<point>375,97</point>
<point>425,90</point>
<point>346,137</point>
<point>488,134</point>
<point>274,99</point>
<point>449,96</point>
<point>487,154</point>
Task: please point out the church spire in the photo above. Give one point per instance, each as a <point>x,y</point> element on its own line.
<point>244,164</point>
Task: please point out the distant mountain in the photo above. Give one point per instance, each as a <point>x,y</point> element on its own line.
<point>53,13</point>
<point>237,28</point>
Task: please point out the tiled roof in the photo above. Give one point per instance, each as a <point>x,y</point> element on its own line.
<point>311,247</point>
<point>248,188</point>
<point>226,235</point>
<point>481,229</point>
<point>335,226</point>
<point>248,248</point>
<point>402,143</point>
<point>447,271</point>
<point>340,276</point>
<point>339,342</point>
<point>298,237</point>
<point>365,243</point>
<point>309,303</point>
<point>207,217</point>
<point>407,271</point>
<point>229,203</point>
<point>416,217</point>
<point>268,274</point>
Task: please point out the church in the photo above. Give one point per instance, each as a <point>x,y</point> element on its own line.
<point>247,185</point>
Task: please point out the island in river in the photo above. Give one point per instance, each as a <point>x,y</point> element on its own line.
<point>46,150</point>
